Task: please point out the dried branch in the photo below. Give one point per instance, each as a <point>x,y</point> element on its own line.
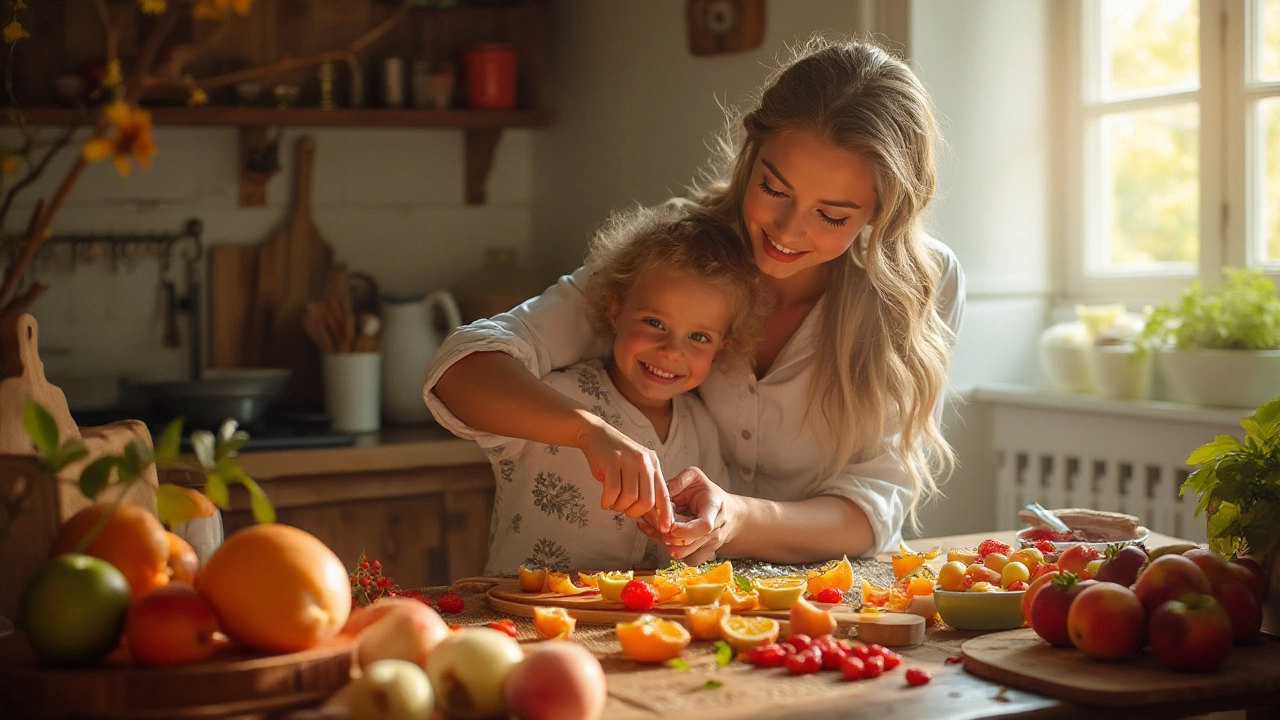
<point>38,169</point>
<point>108,27</point>
<point>147,55</point>
<point>23,302</point>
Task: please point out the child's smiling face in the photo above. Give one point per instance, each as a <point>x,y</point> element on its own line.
<point>667,333</point>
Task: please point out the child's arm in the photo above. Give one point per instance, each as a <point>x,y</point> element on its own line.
<point>494,392</point>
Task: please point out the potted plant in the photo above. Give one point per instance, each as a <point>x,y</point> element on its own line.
<point>1219,347</point>
<point>1238,486</point>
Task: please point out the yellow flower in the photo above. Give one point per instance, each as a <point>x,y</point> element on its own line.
<point>197,97</point>
<point>111,77</point>
<point>132,138</point>
<point>154,7</point>
<point>13,32</point>
<point>9,164</point>
<point>215,9</point>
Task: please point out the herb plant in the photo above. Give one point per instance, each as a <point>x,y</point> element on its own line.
<point>1238,483</point>
<point>1242,314</point>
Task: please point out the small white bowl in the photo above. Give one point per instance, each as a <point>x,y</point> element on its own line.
<point>1141,536</point>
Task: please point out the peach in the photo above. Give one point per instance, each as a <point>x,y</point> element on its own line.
<point>402,629</point>
<point>171,625</point>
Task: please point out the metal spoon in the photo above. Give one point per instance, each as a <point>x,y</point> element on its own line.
<point>1048,518</point>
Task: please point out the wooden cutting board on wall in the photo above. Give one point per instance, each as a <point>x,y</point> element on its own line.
<point>258,295</point>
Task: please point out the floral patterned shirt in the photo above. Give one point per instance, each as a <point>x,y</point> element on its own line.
<point>546,509</point>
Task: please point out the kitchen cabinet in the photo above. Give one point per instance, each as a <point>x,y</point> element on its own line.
<point>68,37</point>
<point>416,499</point>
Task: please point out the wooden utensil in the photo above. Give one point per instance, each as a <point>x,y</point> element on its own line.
<point>233,272</point>
<point>888,629</point>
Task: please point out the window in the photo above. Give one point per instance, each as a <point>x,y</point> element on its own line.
<point>1174,148</point>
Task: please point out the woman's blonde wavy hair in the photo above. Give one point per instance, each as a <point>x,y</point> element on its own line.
<point>883,351</point>
<point>681,237</point>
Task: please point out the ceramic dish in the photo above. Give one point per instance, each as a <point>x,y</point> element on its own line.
<point>980,610</point>
<point>1141,536</point>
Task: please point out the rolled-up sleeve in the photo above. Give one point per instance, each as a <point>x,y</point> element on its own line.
<point>545,333</point>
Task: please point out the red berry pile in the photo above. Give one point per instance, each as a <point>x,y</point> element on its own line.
<point>369,584</point>
<point>801,655</point>
<point>639,595</point>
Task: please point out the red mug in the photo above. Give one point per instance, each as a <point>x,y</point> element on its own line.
<point>491,76</point>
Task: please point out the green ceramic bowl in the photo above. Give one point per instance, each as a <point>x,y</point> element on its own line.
<point>980,610</point>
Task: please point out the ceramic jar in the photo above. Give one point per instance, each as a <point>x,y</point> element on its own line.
<point>410,336</point>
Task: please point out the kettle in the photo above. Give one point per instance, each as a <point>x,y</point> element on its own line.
<point>409,338</point>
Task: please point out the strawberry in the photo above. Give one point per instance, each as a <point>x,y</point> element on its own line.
<point>916,676</point>
<point>829,595</point>
<point>450,603</point>
<point>639,595</point>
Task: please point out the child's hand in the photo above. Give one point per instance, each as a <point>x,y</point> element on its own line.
<point>630,472</point>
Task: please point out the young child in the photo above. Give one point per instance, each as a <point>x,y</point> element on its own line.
<point>678,291</point>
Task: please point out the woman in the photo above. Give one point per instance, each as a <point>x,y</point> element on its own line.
<point>833,440</point>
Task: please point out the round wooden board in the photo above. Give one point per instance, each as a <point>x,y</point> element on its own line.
<point>888,629</point>
<point>1021,659</point>
<point>235,681</point>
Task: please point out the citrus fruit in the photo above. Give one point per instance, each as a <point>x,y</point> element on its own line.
<point>779,593</point>
<point>651,639</point>
<point>744,633</point>
<point>132,539</point>
<point>720,573</point>
<point>907,560</point>
<point>558,582</point>
<point>738,599</point>
<point>587,579</point>
<point>704,593</point>
<point>183,562</point>
<point>553,623</point>
<point>276,588</point>
<point>532,580</point>
<point>171,625</point>
<point>703,621</point>
<point>809,619</point>
<point>611,584</point>
<point>837,574</point>
<point>668,589</point>
<point>73,609</point>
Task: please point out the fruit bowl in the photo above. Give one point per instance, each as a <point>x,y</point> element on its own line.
<point>1140,536</point>
<point>1000,610</point>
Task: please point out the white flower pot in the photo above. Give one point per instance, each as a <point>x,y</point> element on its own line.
<point>1226,378</point>
<point>1064,356</point>
<point>1119,371</point>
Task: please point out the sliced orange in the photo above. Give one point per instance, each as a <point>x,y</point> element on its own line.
<point>738,599</point>
<point>703,593</point>
<point>744,633</point>
<point>558,582</point>
<point>652,639</point>
<point>919,586</point>
<point>874,594</point>
<point>611,583</point>
<point>809,619</point>
<point>837,574</point>
<point>779,593</point>
<point>553,623</point>
<point>721,573</point>
<point>907,560</point>
<point>703,621</point>
<point>668,589</point>
<point>532,580</point>
<point>587,579</point>
<point>968,556</point>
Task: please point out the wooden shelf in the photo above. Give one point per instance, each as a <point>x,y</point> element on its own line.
<point>211,115</point>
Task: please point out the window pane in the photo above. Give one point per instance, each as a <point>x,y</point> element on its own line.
<point>1269,37</point>
<point>1149,46</point>
<point>1269,115</point>
<point>1152,161</point>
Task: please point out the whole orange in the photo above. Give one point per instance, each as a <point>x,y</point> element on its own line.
<point>276,588</point>
<point>132,539</point>
<point>172,625</point>
<point>183,561</point>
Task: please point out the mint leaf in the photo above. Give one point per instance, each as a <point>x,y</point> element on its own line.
<point>95,478</point>
<point>169,442</point>
<point>743,582</point>
<point>42,428</point>
<point>712,684</point>
<point>724,653</point>
<point>202,445</point>
<point>678,664</point>
<point>1221,445</point>
<point>216,488</point>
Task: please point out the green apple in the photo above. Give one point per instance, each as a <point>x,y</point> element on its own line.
<point>73,610</point>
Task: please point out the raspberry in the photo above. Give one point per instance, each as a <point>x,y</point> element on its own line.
<point>916,676</point>
<point>986,547</point>
<point>639,595</point>
<point>830,595</point>
<point>450,603</point>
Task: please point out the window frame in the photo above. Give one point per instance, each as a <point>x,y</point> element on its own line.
<point>1230,226</point>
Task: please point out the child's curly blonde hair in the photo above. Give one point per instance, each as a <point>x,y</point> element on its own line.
<point>682,237</point>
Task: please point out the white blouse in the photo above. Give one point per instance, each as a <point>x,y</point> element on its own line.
<point>771,447</point>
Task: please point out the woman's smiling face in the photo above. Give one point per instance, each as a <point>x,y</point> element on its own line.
<point>806,202</point>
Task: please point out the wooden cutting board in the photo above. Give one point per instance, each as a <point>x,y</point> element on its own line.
<point>233,281</point>
<point>1021,659</point>
<point>888,629</point>
<point>234,682</point>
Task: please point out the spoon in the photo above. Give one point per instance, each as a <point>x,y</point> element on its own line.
<point>1048,518</point>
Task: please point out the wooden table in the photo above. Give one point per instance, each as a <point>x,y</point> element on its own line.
<point>640,692</point>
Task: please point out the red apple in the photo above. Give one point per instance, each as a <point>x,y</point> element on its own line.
<point>1259,583</point>
<point>1190,633</point>
<point>1168,577</point>
<point>1030,595</point>
<point>171,625</point>
<point>1107,622</point>
<point>1242,609</point>
<point>1050,607</point>
<point>1076,558</point>
<point>1214,566</point>
<point>1122,565</point>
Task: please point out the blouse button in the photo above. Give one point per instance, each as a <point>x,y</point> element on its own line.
<point>751,388</point>
<point>746,434</point>
<point>747,471</point>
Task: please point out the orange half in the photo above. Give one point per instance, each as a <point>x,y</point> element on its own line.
<point>553,623</point>
<point>650,639</point>
<point>744,633</point>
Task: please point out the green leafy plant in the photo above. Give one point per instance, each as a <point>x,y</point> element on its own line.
<point>1238,484</point>
<point>214,453</point>
<point>1242,314</point>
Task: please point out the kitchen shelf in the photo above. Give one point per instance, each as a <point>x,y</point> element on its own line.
<point>211,115</point>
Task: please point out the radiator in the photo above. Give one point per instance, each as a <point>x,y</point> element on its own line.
<point>1079,451</point>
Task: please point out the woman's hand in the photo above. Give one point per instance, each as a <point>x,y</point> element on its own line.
<point>710,511</point>
<point>630,472</point>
